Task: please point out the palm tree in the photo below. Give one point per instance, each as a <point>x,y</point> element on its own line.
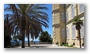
<point>77,22</point>
<point>19,17</point>
<point>37,19</point>
<point>22,16</point>
<point>8,29</point>
<point>6,32</point>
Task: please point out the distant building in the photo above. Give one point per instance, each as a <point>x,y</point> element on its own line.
<point>63,15</point>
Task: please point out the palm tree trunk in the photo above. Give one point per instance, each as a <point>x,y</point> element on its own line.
<point>23,32</point>
<point>79,38</point>
<point>23,39</point>
<point>28,41</point>
<point>79,29</point>
<point>7,41</point>
<point>27,21</point>
<point>7,36</point>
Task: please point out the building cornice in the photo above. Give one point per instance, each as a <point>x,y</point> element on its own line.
<point>79,16</point>
<point>56,25</point>
<point>68,6</point>
<point>55,11</point>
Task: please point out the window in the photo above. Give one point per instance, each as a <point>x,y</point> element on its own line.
<point>73,11</point>
<point>81,7</point>
<point>73,32</point>
<point>66,16</point>
<point>82,31</point>
<point>67,33</point>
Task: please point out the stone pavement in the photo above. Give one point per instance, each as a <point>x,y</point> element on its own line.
<point>45,46</point>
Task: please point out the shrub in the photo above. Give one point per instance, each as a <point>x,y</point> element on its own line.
<point>64,45</point>
<point>70,46</point>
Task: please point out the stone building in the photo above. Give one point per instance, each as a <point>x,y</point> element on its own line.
<point>63,28</point>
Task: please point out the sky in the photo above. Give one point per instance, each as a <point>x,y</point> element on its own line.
<point>49,12</point>
<point>50,19</point>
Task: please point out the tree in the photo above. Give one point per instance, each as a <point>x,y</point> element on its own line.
<point>77,22</point>
<point>8,28</point>
<point>19,37</point>
<point>45,37</point>
<point>39,19</point>
<point>26,17</point>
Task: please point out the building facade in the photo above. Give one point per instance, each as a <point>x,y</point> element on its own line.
<point>63,28</point>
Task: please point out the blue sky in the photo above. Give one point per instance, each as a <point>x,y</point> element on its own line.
<point>49,12</point>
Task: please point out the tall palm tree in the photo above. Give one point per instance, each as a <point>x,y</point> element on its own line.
<point>22,16</point>
<point>77,22</point>
<point>19,17</point>
<point>6,32</point>
<point>38,18</point>
<point>8,29</point>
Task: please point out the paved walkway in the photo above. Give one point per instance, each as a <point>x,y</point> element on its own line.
<point>44,46</point>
